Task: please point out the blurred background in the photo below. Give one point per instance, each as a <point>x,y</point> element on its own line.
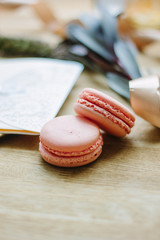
<point>45,20</point>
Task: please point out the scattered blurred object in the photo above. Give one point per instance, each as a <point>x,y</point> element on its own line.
<point>141,21</point>
<point>150,34</point>
<point>128,30</point>
<point>141,37</point>
<point>144,13</point>
<point>43,12</point>
<point>153,51</point>
<point>49,19</point>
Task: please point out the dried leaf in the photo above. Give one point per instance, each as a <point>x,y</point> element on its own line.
<point>119,84</point>
<point>76,32</point>
<point>126,59</point>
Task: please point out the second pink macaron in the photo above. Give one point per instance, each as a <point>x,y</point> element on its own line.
<point>108,113</point>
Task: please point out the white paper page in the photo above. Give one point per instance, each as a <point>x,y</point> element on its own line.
<point>32,90</point>
<point>5,129</point>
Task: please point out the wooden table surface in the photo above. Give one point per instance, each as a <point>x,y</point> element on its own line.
<point>115,198</point>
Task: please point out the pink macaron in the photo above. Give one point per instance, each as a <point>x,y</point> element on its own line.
<point>108,113</point>
<point>70,141</point>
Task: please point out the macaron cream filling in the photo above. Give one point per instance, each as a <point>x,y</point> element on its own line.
<point>92,148</point>
<point>90,99</point>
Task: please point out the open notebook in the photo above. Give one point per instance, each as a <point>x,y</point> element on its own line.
<point>32,91</point>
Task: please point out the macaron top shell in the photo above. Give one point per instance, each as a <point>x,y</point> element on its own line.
<point>69,133</point>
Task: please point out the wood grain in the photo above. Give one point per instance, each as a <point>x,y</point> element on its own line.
<point>115,198</point>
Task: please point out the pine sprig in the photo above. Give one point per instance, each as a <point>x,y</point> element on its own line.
<point>21,47</point>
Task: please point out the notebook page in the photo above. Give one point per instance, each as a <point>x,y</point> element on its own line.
<point>32,90</point>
